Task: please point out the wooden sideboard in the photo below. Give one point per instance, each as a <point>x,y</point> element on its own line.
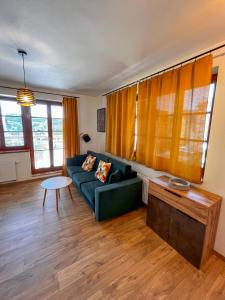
<point>187,220</point>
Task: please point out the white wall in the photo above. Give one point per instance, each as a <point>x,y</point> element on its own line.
<point>214,179</point>
<point>87,119</point>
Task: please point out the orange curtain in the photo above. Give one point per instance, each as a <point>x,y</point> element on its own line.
<point>172,113</point>
<point>120,122</point>
<point>70,128</point>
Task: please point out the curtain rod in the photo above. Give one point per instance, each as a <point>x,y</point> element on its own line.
<point>35,91</point>
<point>166,69</point>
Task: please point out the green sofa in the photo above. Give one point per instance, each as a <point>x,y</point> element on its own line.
<point>120,194</point>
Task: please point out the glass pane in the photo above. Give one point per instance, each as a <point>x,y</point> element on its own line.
<point>40,140</point>
<point>12,123</point>
<point>194,127</point>
<point>41,159</point>
<point>39,110</point>
<point>163,147</point>
<point>14,139</point>
<point>207,126</point>
<point>190,152</point>
<point>57,124</point>
<point>58,157</point>
<point>39,124</point>
<point>211,96</point>
<point>57,140</point>
<point>56,111</point>
<point>164,127</point>
<point>10,108</point>
<point>165,103</point>
<point>204,149</point>
<point>196,100</point>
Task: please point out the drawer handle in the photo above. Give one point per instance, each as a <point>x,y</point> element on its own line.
<point>173,193</point>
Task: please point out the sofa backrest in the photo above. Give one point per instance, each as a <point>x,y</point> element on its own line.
<point>99,156</point>
<point>124,168</point>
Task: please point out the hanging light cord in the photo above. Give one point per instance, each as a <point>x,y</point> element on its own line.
<point>24,74</point>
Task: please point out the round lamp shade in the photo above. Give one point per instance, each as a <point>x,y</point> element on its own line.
<point>25,97</point>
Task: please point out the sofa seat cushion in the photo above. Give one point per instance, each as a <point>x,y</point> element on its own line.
<point>80,178</point>
<point>88,189</point>
<point>74,169</point>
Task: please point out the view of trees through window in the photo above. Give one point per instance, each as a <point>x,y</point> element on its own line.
<point>12,124</point>
<point>38,128</point>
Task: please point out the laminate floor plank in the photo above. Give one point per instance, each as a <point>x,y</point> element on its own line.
<point>69,255</point>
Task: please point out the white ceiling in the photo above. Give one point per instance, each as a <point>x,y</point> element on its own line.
<point>91,46</point>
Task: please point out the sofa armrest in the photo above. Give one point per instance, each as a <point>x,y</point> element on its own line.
<point>118,198</point>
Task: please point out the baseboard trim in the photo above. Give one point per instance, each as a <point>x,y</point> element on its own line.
<point>219,255</point>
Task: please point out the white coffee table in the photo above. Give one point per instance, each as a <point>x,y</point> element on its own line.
<point>56,183</point>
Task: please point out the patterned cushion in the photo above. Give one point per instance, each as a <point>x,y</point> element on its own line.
<point>102,171</point>
<point>88,163</point>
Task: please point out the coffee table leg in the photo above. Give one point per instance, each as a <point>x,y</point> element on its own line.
<point>70,193</point>
<point>57,200</point>
<point>44,197</point>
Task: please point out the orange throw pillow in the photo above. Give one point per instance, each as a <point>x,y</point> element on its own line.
<point>88,163</point>
<point>102,171</point>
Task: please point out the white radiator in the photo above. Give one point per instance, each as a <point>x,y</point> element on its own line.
<point>145,181</point>
<point>7,171</point>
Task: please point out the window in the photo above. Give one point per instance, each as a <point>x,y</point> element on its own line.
<point>47,136</point>
<point>40,136</point>
<point>57,135</point>
<point>198,118</point>
<point>38,128</point>
<point>11,125</point>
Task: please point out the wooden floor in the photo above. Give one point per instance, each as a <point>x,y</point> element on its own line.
<point>69,255</point>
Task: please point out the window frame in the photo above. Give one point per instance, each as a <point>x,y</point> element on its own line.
<point>28,134</point>
<point>50,135</point>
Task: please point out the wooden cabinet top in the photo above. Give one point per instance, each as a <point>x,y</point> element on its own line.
<point>195,194</point>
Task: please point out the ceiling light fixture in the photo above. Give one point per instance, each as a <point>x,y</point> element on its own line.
<point>24,96</point>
